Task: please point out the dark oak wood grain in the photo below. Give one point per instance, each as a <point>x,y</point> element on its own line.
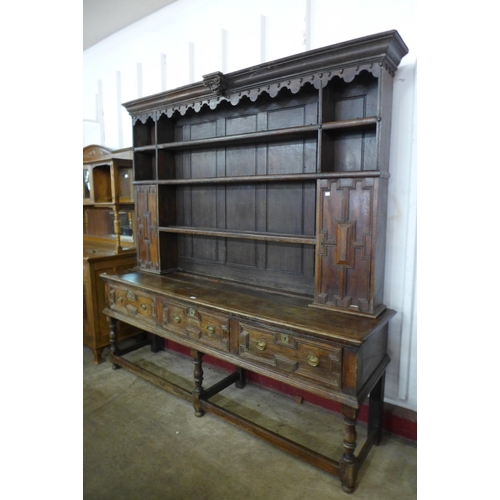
<point>107,237</point>
<point>260,214</point>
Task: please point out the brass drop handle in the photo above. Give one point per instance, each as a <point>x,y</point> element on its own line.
<point>144,307</point>
<point>261,345</point>
<point>177,319</point>
<point>313,360</point>
<point>210,329</point>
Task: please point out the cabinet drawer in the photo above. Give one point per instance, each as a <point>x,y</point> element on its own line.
<point>175,318</point>
<point>207,327</point>
<point>138,305</point>
<point>287,352</point>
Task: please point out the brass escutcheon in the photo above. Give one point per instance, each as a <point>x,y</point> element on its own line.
<point>120,299</point>
<point>284,338</point>
<point>261,345</point>
<point>313,360</point>
<point>210,329</point>
<point>177,319</point>
<point>144,306</point>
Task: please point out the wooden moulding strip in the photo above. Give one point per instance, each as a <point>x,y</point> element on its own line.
<point>306,240</point>
<point>327,464</point>
<point>151,377</point>
<point>248,179</point>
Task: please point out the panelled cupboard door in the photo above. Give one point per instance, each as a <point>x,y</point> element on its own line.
<point>345,245</point>
<point>146,210</point>
<point>156,250</point>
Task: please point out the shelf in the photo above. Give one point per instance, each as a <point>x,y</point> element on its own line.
<point>101,204</point>
<point>271,135</point>
<point>349,124</point>
<point>145,149</point>
<point>246,235</point>
<point>267,135</point>
<point>110,204</point>
<point>245,179</point>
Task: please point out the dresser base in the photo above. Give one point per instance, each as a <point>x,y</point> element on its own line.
<point>346,469</point>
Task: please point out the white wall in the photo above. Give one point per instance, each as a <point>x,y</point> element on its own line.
<point>180,43</point>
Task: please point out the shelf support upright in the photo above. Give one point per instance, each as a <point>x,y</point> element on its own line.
<point>117,227</point>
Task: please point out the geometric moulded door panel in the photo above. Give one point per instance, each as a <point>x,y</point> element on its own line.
<point>147,227</point>
<point>345,263</point>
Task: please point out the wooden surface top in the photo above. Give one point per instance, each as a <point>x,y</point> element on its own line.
<point>95,252</point>
<point>281,310</point>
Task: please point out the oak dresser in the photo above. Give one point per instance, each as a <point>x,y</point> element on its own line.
<point>260,227</point>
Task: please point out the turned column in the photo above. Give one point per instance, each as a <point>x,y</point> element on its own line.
<point>113,341</point>
<point>348,466</point>
<point>117,228</point>
<point>198,390</point>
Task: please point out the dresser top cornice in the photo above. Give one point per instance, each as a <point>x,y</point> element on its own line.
<point>316,67</point>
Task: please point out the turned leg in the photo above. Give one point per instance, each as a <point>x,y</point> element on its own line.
<point>348,468</point>
<point>376,409</point>
<point>113,341</point>
<point>240,384</point>
<point>198,391</point>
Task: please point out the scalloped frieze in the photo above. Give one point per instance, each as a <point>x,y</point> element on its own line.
<point>144,117</point>
<point>318,80</point>
<point>317,67</point>
<point>182,108</point>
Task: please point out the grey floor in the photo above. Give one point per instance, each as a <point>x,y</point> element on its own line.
<point>143,443</point>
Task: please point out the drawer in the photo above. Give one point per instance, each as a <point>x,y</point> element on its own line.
<point>175,318</point>
<point>208,327</point>
<point>137,305</point>
<point>287,352</point>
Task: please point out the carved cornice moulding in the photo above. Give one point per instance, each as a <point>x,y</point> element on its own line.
<point>345,60</point>
<point>95,152</point>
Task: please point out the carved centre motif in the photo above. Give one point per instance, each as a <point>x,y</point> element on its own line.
<point>215,82</point>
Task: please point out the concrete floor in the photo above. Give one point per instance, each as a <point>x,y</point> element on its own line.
<point>141,442</point>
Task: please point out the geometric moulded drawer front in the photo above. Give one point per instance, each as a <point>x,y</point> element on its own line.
<point>196,324</point>
<point>136,305</point>
<point>175,318</point>
<point>286,352</point>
